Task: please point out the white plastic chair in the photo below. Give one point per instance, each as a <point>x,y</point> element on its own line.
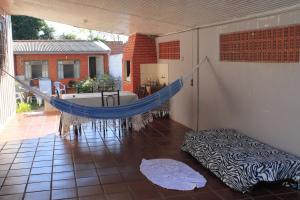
<point>59,87</point>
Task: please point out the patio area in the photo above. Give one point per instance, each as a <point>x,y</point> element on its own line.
<point>226,67</point>
<point>36,163</point>
<point>28,126</point>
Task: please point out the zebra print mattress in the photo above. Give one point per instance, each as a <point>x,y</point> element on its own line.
<point>240,161</point>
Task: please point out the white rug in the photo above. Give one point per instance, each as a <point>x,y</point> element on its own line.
<point>172,174</point>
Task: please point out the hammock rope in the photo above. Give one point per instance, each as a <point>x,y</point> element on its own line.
<point>140,106</point>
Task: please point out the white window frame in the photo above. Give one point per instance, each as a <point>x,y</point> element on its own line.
<point>60,68</point>
<point>28,68</point>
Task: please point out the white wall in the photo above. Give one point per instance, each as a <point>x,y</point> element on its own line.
<point>7,84</point>
<point>260,99</point>
<point>154,72</point>
<point>115,65</point>
<point>182,103</point>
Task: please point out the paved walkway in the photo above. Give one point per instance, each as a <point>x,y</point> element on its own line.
<point>30,125</point>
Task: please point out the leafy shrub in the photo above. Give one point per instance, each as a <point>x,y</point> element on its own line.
<point>91,85</point>
<point>23,107</point>
<point>72,83</point>
<point>85,86</point>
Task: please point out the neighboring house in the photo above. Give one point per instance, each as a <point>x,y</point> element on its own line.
<point>115,58</point>
<point>60,60</point>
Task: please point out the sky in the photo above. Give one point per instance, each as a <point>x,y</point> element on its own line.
<point>83,33</point>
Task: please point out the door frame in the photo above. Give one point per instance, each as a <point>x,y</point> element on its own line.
<point>103,55</point>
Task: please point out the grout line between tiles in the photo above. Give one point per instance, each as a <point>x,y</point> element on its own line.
<point>10,164</point>
<point>30,169</point>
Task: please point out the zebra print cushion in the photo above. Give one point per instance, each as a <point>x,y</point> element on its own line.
<point>240,161</point>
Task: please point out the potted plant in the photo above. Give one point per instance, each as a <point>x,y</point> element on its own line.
<point>72,84</point>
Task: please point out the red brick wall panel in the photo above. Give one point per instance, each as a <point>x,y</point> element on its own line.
<point>169,50</point>
<point>280,45</point>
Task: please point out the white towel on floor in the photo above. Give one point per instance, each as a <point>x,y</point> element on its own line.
<point>172,174</point>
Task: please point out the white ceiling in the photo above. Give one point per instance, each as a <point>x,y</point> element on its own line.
<point>157,17</point>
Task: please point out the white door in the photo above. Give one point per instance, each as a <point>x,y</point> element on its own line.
<point>99,66</point>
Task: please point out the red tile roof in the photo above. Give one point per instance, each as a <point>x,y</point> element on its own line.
<point>115,46</point>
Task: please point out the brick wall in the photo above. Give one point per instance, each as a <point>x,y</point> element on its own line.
<point>140,49</point>
<point>279,44</point>
<point>52,64</point>
<point>169,50</point>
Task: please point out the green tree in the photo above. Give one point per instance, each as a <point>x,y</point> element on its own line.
<point>69,36</point>
<point>48,32</point>
<point>29,28</point>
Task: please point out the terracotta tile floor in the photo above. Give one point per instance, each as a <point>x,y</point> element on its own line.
<point>35,163</point>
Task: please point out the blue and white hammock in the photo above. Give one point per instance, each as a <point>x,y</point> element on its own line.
<point>140,106</point>
<point>123,111</point>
